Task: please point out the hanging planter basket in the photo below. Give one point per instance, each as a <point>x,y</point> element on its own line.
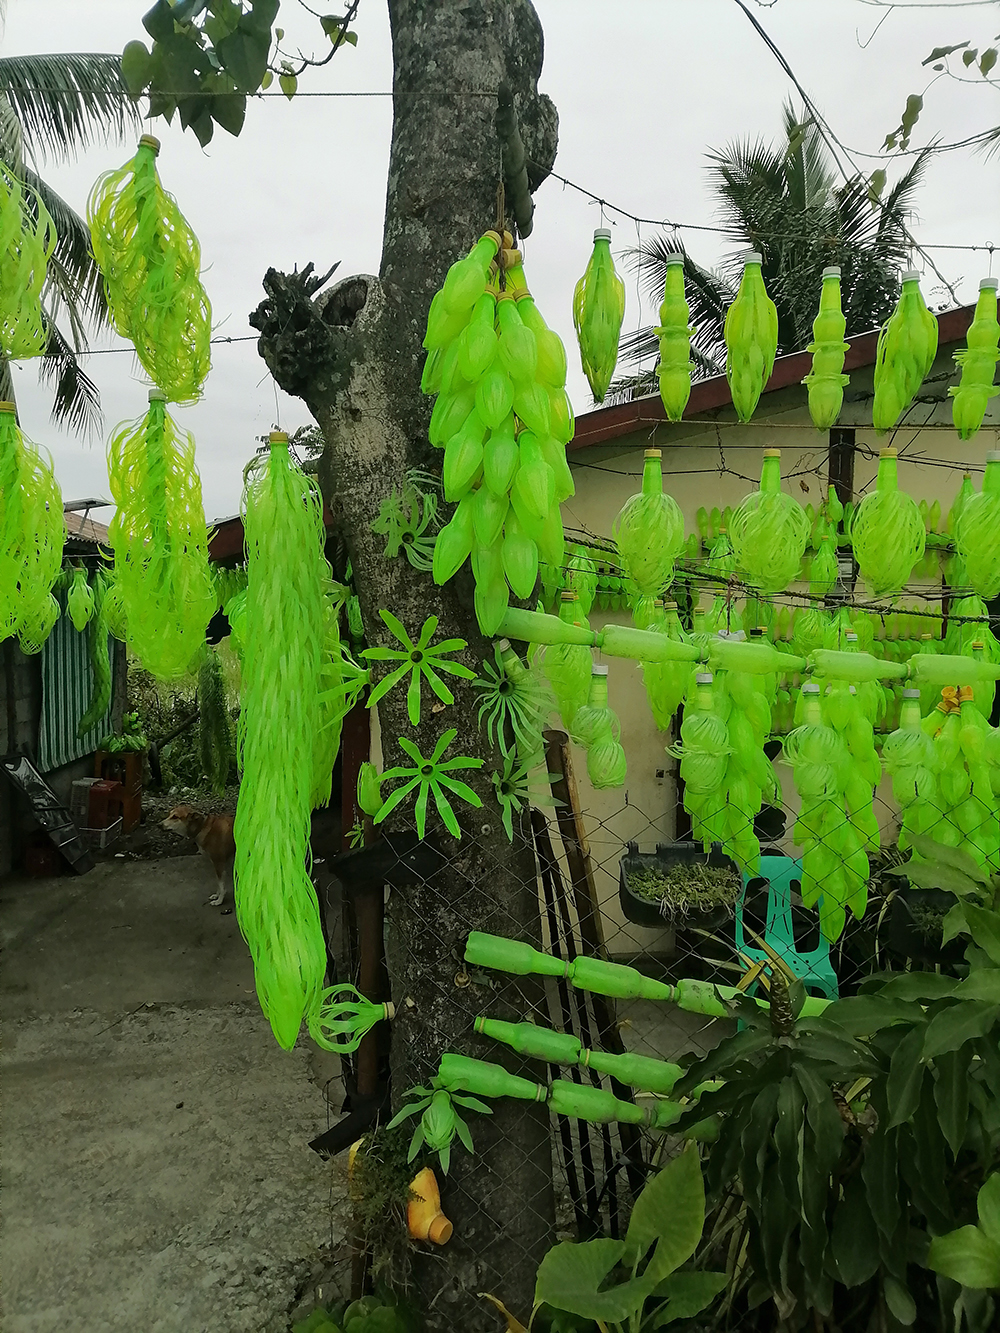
<point>678,885</point>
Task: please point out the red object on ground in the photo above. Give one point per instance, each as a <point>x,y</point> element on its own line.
<point>104,800</point>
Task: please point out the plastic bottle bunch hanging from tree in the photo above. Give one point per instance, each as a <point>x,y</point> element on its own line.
<point>751,334</point>
<point>598,312</point>
<point>649,531</point>
<point>971,396</point>
<point>503,418</point>
<point>825,381</point>
<point>673,370</point>
<point>32,531</point>
<point>160,541</point>
<point>597,729</point>
<point>977,532</point>
<point>770,530</point>
<point>907,346</point>
<point>887,532</point>
<point>27,240</point>
<point>151,263</point>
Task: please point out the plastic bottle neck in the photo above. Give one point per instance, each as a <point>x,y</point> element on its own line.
<point>770,474</point>
<point>991,477</point>
<point>887,473</point>
<point>812,712</point>
<point>598,697</point>
<point>652,476</point>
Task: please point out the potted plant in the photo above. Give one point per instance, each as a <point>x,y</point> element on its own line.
<point>678,885</point>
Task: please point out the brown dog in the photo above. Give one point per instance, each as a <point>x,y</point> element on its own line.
<point>214,836</point>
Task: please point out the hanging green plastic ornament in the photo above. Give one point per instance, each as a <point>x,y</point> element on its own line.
<point>567,666</point>
<point>977,533</point>
<point>151,263</point>
<point>27,240</point>
<point>825,569</point>
<point>581,576</point>
<point>283,634</point>
<point>100,661</point>
<point>346,1016</point>
<point>908,756</point>
<point>704,751</point>
<point>514,703</point>
<point>887,532</point>
<point>770,530</point>
<point>32,531</point>
<point>907,346</point>
<point>594,717</point>
<point>978,362</point>
<point>598,312</point>
<point>606,761</point>
<point>369,790</point>
<point>463,285</point>
<point>80,600</point>
<point>673,369</point>
<point>826,379</point>
<point>160,541</point>
<point>751,334</point>
<point>649,531</point>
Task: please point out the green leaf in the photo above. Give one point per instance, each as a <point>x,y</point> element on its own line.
<point>989,1208</point>
<point>945,877</point>
<point>956,857</point>
<point>951,1095</point>
<point>262,15</point>
<point>687,1294</point>
<point>953,1027</point>
<point>266,81</point>
<point>136,63</point>
<point>911,112</point>
<point>920,986</point>
<point>159,21</point>
<point>940,51</point>
<point>230,110</point>
<point>289,83</point>
<point>670,1211</point>
<point>788,1135</point>
<point>244,55</point>
<point>981,984</point>
<point>906,1074</point>
<point>987,60</point>
<point>570,1274</point>
<point>860,1015</point>
<point>880,1173</point>
<point>899,1300</point>
<point>967,1256</point>
<point>969,56</point>
<point>954,924</point>
<point>855,1238</point>
<point>984,927</point>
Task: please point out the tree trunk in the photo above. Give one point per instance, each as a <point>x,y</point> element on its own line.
<point>354,355</point>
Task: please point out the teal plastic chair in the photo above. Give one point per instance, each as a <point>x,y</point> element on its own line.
<point>813,967</point>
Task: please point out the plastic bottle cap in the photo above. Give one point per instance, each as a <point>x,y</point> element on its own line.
<point>157,396</point>
<point>926,636</point>
<point>757,633</point>
<point>888,452</point>
<point>599,671</point>
<point>832,272</point>
<point>602,234</point>
<point>851,637</point>
<point>503,644</point>
<point>677,258</point>
<point>703,678</point>
<point>277,437</point>
<point>911,275</point>
<point>653,453</point>
<point>568,596</point>
<point>978,644</point>
<point>985,284</point>
<point>993,455</point>
<point>150,141</point>
<point>753,257</point>
<point>911,694</point>
<point>810,687</point>
<point>772,453</point>
<point>7,406</point>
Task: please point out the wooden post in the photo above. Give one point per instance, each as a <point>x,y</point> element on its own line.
<point>574,838</point>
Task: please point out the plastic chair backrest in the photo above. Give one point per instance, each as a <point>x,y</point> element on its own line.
<point>813,966</point>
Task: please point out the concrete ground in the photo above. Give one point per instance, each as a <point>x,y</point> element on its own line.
<point>156,1173</point>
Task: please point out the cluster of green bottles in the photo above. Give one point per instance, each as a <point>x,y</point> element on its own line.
<point>751,335</point>
<point>887,531</point>
<point>503,419</point>
<point>32,531</point>
<point>598,311</point>
<point>971,396</point>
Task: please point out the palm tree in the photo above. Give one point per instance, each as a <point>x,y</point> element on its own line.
<point>784,202</point>
<point>52,106</point>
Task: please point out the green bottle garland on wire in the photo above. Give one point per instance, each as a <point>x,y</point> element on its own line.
<point>27,240</point>
<point>649,531</point>
<point>32,531</point>
<point>971,396</point>
<point>160,541</point>
<point>826,379</point>
<point>751,335</point>
<point>907,346</point>
<point>673,370</point>
<point>151,263</point>
<point>770,530</point>
<point>598,312</point>
<point>887,532</point>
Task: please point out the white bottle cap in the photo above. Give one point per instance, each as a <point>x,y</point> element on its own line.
<point>985,284</point>
<point>675,257</point>
<point>911,694</point>
<point>703,678</point>
<point>832,272</point>
<point>753,257</point>
<point>599,671</point>
<point>602,234</point>
<point>157,396</point>
<point>851,637</point>
<point>810,687</point>
<point>910,275</point>
<point>993,455</point>
<point>503,644</point>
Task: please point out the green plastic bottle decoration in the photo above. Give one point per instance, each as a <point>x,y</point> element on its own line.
<point>596,727</point>
<point>151,263</point>
<point>751,335</point>
<point>887,532</point>
<point>598,312</point>
<point>581,577</point>
<point>908,756</point>
<point>439,1120</point>
<point>649,531</point>
<point>825,381</point>
<point>346,1016</point>
<point>80,600</point>
<point>770,530</point>
<point>666,682</point>
<point>970,397</point>
<point>32,531</point>
<point>907,346</point>
<point>567,665</point>
<point>977,532</point>
<point>673,370</point>
<point>27,240</point>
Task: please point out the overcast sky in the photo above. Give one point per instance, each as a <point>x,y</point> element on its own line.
<point>643,88</point>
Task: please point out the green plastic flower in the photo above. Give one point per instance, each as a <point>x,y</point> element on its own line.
<point>439,1120</point>
<point>514,702</point>
<point>515,790</point>
<point>431,777</point>
<point>345,1016</point>
<point>419,659</point>
<point>407,520</point>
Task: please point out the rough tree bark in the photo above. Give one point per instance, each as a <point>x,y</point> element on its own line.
<point>354,355</point>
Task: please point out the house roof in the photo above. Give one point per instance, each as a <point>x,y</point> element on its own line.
<point>82,528</point>
<point>608,423</point>
<point>227,540</point>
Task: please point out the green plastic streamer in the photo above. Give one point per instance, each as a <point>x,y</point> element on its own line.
<point>27,240</point>
<point>826,380</point>
<point>283,633</point>
<point>80,600</point>
<point>770,530</point>
<point>649,531</point>
<point>977,533</point>
<point>907,346</point>
<point>971,396</point>
<point>673,369</point>
<point>887,531</point>
<point>751,335</point>
<point>32,531</point>
<point>160,541</point>
<point>151,262</point>
<point>598,312</point>
<point>100,660</point>
<point>215,735</point>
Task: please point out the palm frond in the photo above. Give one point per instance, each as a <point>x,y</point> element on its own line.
<point>75,282</point>
<point>11,138</point>
<point>67,102</point>
<point>77,400</point>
